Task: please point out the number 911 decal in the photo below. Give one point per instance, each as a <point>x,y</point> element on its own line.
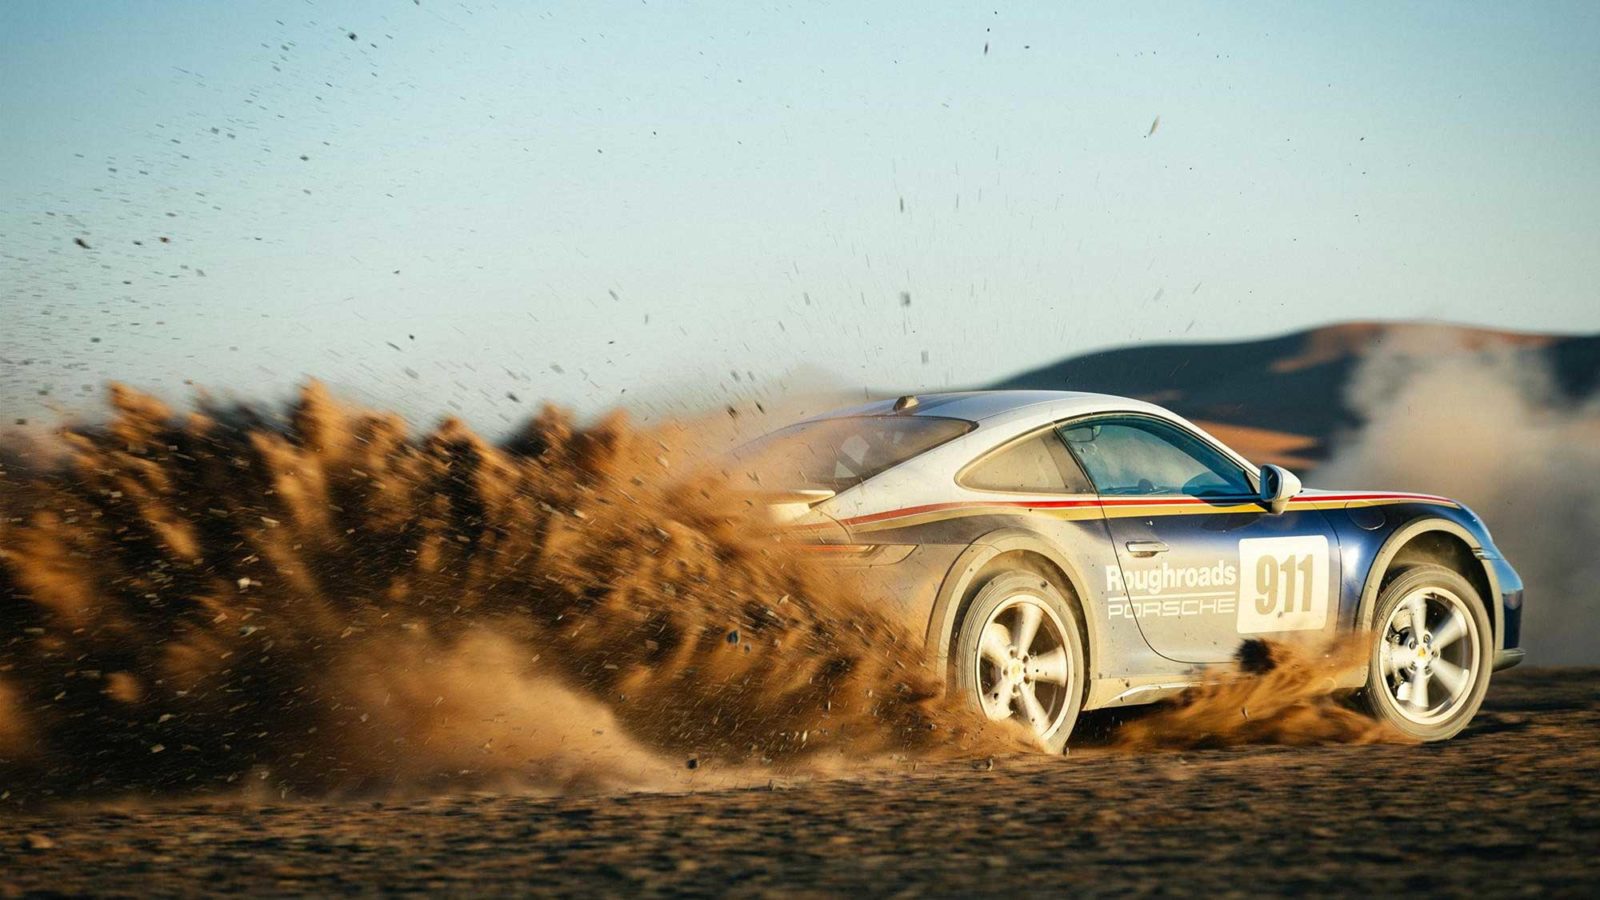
<point>1283,584</point>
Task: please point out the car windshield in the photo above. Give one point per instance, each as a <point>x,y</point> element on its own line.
<point>840,453</point>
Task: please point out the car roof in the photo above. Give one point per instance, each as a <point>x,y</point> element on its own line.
<point>977,406</point>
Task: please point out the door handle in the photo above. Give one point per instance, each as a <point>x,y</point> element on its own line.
<point>1146,548</point>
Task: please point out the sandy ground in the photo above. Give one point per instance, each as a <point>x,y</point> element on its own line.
<point>1512,806</point>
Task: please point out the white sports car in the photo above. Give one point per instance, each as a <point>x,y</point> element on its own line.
<point>1069,551</point>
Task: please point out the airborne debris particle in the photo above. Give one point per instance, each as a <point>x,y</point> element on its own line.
<point>1255,657</point>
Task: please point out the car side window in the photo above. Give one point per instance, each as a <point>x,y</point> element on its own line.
<point>1135,456</point>
<point>1038,464</point>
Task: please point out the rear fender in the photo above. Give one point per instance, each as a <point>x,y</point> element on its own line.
<point>962,577</point>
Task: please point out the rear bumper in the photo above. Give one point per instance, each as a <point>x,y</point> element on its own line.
<point>1505,659</point>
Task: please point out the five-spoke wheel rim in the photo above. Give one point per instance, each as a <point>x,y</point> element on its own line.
<point>1429,655</point>
<point>1023,667</point>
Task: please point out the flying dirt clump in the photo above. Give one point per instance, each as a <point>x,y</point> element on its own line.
<point>1281,693</point>
<point>321,601</point>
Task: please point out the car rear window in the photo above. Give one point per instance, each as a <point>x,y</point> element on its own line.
<point>840,453</point>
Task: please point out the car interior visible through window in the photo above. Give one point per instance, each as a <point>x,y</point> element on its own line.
<point>1133,456</point>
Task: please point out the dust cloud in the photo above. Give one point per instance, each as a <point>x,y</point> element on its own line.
<point>1281,692</point>
<point>314,600</point>
<point>1498,434</point>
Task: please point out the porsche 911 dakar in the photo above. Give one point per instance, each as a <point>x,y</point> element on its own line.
<point>1063,552</point>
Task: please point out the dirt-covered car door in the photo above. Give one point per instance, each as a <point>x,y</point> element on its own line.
<point>1202,562</point>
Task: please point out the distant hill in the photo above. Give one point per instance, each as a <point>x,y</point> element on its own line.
<point>1283,399</point>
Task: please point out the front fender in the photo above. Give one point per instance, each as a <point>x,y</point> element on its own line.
<point>1398,539</point>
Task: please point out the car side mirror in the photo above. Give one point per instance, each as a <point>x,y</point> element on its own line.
<point>1278,487</point>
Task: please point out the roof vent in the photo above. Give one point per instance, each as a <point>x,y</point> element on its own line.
<point>909,401</point>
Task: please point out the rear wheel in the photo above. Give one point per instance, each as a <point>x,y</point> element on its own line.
<point>1019,655</point>
<point>1431,652</point>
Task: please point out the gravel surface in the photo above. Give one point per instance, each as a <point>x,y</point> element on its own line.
<point>1512,806</point>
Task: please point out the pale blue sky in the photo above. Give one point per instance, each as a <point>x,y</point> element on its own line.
<point>654,196</point>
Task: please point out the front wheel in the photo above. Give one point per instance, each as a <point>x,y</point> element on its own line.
<point>1019,655</point>
<point>1430,662</point>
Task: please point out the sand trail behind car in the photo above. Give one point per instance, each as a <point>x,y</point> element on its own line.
<point>320,601</point>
